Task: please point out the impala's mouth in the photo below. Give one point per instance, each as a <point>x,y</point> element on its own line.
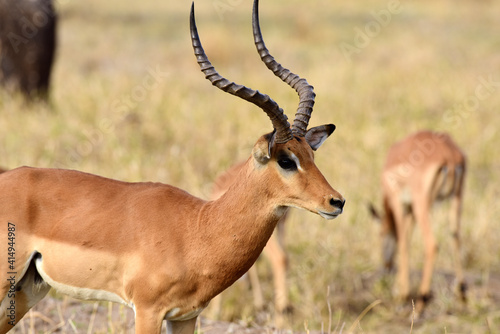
<point>330,215</point>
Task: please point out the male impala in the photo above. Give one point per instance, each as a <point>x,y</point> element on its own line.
<point>273,250</point>
<point>152,246</point>
<point>420,170</point>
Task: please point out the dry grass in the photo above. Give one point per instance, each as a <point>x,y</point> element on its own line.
<point>109,115</point>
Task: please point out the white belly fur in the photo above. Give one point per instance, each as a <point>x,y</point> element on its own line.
<point>77,292</point>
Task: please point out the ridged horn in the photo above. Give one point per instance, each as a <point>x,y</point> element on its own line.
<point>263,101</point>
<point>305,91</point>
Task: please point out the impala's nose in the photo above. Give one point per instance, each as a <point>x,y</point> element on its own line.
<point>338,203</point>
<point>336,208</point>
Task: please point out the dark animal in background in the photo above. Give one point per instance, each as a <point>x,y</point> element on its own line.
<point>27,46</point>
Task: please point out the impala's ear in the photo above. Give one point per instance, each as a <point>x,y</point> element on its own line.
<point>317,135</point>
<point>262,149</point>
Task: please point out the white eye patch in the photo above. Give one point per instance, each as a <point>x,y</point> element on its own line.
<point>296,160</point>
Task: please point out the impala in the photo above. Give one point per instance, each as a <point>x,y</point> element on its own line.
<point>274,251</point>
<point>421,169</point>
<point>151,246</point>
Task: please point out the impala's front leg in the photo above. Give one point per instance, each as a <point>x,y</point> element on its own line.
<point>147,321</point>
<point>403,225</point>
<point>279,262</point>
<point>403,276</point>
<point>258,296</point>
<point>181,327</point>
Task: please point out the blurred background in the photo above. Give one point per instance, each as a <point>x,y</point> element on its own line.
<point>128,101</point>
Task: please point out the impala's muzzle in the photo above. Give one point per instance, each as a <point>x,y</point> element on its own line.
<point>336,208</point>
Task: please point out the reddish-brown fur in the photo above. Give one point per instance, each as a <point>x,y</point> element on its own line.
<point>151,246</point>
<point>274,251</point>
<point>154,246</point>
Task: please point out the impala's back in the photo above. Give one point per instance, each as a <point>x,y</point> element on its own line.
<point>87,223</point>
<point>427,160</point>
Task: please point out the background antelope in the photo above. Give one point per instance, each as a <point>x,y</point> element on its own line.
<point>151,246</point>
<point>421,169</point>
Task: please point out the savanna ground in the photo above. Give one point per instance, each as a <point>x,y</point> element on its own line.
<point>129,102</point>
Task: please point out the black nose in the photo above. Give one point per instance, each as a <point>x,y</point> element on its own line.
<point>339,203</point>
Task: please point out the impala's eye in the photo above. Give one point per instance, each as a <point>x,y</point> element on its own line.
<point>287,164</point>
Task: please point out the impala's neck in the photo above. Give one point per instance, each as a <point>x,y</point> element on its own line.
<point>236,227</point>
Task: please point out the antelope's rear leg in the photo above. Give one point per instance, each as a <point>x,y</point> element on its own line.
<point>20,297</point>
<point>455,232</point>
